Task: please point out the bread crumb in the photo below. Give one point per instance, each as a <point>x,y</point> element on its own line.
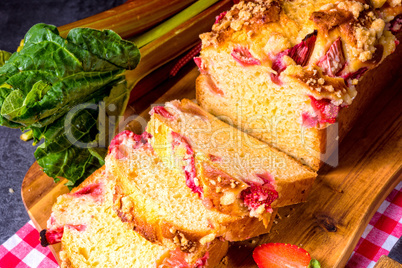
<point>227,198</point>
<point>321,80</point>
<point>207,238</point>
<point>11,190</point>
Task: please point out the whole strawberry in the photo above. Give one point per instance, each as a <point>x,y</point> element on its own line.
<point>280,255</point>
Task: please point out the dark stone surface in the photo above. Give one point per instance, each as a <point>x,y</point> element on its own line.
<point>16,156</point>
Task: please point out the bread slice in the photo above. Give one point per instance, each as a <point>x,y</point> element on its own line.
<point>231,171</point>
<point>283,71</point>
<point>154,200</point>
<point>92,235</point>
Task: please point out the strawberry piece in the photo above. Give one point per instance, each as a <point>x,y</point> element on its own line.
<point>189,168</point>
<point>201,67</point>
<point>396,24</point>
<point>177,258</point>
<point>51,236</point>
<point>278,255</point>
<point>213,87</point>
<point>202,262</point>
<point>326,111</point>
<point>78,227</point>
<point>243,56</point>
<point>119,149</point>
<point>220,17</point>
<point>162,112</point>
<point>355,75</point>
<point>334,60</point>
<point>54,235</point>
<point>255,196</point>
<point>309,120</point>
<point>300,53</point>
<point>266,177</point>
<point>214,158</point>
<point>94,190</point>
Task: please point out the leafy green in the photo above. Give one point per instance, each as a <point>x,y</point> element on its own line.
<point>62,89</point>
<point>4,56</point>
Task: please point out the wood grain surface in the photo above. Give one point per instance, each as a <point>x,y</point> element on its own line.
<point>341,203</point>
<point>386,262</point>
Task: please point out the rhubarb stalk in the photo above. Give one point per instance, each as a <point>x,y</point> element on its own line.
<point>173,43</point>
<point>130,18</point>
<point>173,22</point>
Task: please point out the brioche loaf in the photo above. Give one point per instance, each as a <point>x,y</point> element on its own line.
<point>154,200</point>
<point>231,171</point>
<point>93,236</point>
<point>283,71</point>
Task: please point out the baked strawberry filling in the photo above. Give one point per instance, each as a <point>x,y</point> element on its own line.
<point>162,112</point>
<point>300,53</point>
<point>349,77</point>
<point>214,158</point>
<point>256,196</point>
<point>213,87</point>
<point>203,262</point>
<point>201,67</point>
<point>396,24</point>
<point>54,235</point>
<point>334,60</point>
<point>220,17</point>
<point>188,158</point>
<point>118,146</point>
<point>94,190</point>
<point>326,112</point>
<point>177,259</point>
<point>243,56</point>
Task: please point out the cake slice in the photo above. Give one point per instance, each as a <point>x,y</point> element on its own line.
<point>229,170</point>
<point>154,200</point>
<point>92,235</point>
<point>286,71</point>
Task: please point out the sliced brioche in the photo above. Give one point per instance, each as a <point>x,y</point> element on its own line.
<point>92,235</point>
<point>154,200</point>
<point>283,70</point>
<point>231,171</point>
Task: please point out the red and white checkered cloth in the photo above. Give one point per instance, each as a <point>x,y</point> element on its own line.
<point>382,232</point>
<point>24,250</point>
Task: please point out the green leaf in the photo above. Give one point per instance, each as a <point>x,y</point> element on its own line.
<point>12,104</point>
<point>4,56</point>
<point>314,264</point>
<point>63,90</point>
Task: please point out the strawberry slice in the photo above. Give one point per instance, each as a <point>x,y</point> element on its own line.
<point>300,53</point>
<point>327,112</point>
<point>162,112</point>
<point>243,56</point>
<point>279,255</point>
<point>334,60</point>
<point>94,190</point>
<point>201,67</point>
<point>189,168</point>
<point>118,148</point>
<point>349,77</point>
<point>256,195</point>
<point>54,235</point>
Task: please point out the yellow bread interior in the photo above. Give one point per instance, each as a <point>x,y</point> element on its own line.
<point>155,201</point>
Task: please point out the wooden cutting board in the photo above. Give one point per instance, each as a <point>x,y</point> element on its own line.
<point>341,203</point>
